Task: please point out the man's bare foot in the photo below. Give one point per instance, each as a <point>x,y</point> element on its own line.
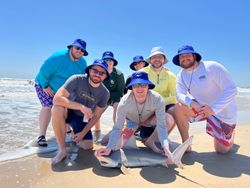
<point>59,157</point>
<point>152,146</point>
<point>85,144</point>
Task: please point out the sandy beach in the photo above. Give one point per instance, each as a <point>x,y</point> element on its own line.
<point>202,168</point>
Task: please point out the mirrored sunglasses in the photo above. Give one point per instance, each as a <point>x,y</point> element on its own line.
<point>140,85</point>
<point>109,60</point>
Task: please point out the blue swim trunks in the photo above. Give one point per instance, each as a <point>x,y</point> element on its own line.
<point>45,100</point>
<point>77,124</point>
<point>144,131</point>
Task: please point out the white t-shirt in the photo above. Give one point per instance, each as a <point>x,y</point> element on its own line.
<point>212,85</point>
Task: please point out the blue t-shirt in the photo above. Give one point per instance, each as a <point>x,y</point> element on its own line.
<point>58,68</point>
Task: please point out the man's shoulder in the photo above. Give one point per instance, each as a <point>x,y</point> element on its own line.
<point>104,88</point>
<point>212,65</point>
<point>79,77</point>
<point>58,55</point>
<point>153,94</point>
<point>167,71</point>
<point>127,99</point>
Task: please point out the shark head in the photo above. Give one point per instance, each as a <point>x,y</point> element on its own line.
<point>108,162</point>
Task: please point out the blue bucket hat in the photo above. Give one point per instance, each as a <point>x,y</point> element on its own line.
<point>137,59</point>
<point>109,55</point>
<point>140,78</point>
<point>81,44</point>
<point>185,49</point>
<point>101,63</point>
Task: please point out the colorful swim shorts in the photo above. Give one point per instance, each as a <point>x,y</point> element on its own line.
<point>45,100</point>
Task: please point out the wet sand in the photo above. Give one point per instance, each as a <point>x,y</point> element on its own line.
<point>202,168</point>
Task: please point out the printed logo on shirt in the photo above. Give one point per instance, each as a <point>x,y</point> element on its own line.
<point>202,77</point>
<point>87,97</point>
<point>112,82</point>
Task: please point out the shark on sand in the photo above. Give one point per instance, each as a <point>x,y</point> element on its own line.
<point>132,156</point>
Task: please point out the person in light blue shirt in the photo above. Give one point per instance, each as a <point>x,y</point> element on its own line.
<point>52,75</point>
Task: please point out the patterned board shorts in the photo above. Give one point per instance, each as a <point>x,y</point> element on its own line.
<point>45,100</point>
<point>216,128</point>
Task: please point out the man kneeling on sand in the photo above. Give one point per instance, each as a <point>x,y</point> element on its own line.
<point>80,102</point>
<point>141,107</point>
<point>205,91</point>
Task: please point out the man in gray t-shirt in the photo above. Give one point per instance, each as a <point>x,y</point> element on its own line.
<point>80,102</point>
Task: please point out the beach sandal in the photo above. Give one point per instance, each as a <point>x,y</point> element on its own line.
<point>41,141</point>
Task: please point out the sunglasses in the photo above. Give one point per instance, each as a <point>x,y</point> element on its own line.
<point>78,48</point>
<point>140,85</point>
<point>109,60</point>
<point>95,71</point>
<point>139,63</point>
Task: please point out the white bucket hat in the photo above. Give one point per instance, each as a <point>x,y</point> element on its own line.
<point>157,50</point>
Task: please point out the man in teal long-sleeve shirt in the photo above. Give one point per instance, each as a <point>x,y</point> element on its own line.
<point>52,75</point>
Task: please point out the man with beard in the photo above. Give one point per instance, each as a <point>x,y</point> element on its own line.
<point>52,75</point>
<point>115,85</point>
<point>165,84</point>
<point>80,102</point>
<point>205,91</point>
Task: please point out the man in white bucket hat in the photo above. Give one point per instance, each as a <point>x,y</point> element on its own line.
<point>164,81</point>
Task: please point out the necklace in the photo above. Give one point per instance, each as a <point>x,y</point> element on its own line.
<point>190,82</point>
<point>139,112</point>
<point>158,76</point>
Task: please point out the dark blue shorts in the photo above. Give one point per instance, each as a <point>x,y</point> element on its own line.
<point>77,124</point>
<point>167,107</point>
<point>145,132</point>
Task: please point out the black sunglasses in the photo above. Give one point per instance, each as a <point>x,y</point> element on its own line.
<point>95,71</point>
<point>78,48</point>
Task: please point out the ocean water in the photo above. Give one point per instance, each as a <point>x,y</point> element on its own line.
<point>19,112</point>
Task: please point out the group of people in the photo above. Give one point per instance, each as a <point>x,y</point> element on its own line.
<point>151,102</point>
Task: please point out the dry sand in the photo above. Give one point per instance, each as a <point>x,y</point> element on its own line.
<point>203,168</point>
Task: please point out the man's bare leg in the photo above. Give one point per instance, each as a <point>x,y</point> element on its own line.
<point>44,119</point>
<point>182,113</point>
<point>59,126</point>
<point>150,142</point>
<point>85,144</point>
<point>220,148</point>
<point>115,105</point>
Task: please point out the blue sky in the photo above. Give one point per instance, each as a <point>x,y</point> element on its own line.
<point>32,30</point>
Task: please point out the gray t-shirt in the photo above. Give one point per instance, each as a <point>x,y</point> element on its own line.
<point>82,92</point>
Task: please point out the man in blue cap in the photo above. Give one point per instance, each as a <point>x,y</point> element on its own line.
<point>137,64</point>
<point>52,75</point>
<point>141,107</point>
<point>80,102</point>
<point>115,84</point>
<point>205,91</point>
